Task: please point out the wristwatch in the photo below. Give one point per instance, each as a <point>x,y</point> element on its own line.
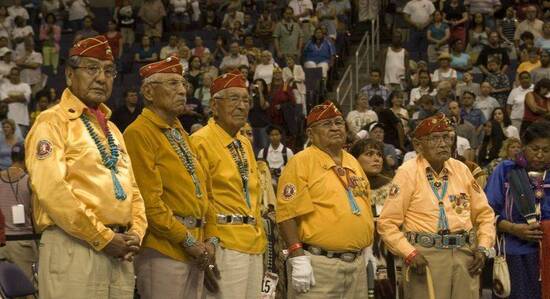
<point>488,252</point>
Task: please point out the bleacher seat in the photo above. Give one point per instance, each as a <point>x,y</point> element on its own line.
<point>13,282</point>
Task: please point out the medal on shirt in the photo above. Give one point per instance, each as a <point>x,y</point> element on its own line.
<point>343,176</point>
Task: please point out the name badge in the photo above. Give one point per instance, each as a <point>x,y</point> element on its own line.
<point>269,285</point>
<point>18,214</point>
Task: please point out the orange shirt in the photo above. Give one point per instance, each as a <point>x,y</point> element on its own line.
<point>411,204</point>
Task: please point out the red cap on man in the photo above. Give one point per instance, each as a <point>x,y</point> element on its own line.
<point>94,47</point>
<point>232,79</point>
<point>324,111</point>
<point>170,65</point>
<point>433,124</point>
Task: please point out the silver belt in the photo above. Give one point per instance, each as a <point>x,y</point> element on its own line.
<point>235,219</point>
<point>190,221</point>
<point>438,241</point>
<point>346,256</point>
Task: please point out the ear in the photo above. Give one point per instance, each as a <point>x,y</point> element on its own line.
<point>417,145</point>
<point>214,107</point>
<point>309,133</point>
<point>147,92</point>
<point>69,74</point>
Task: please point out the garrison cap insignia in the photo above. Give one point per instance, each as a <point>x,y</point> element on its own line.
<point>289,191</point>
<point>43,149</point>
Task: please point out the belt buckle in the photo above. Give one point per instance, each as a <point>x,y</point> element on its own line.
<point>348,257</point>
<point>222,219</point>
<point>251,220</point>
<point>426,240</point>
<point>314,250</point>
<point>451,241</point>
<point>237,219</point>
<point>190,222</point>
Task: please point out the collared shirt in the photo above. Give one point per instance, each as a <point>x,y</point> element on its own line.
<point>419,11</point>
<point>165,184</point>
<point>18,111</point>
<point>486,105</point>
<point>301,6</point>
<point>497,190</point>
<point>310,191</point>
<point>230,61</point>
<point>534,27</point>
<point>379,90</point>
<point>226,192</point>
<point>72,189</point>
<point>275,156</point>
<point>412,205</point>
<point>474,116</point>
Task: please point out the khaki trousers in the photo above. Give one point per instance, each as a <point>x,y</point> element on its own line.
<point>450,275</point>
<point>241,275</point>
<point>22,253</point>
<point>69,268</point>
<point>334,279</point>
<point>159,276</point>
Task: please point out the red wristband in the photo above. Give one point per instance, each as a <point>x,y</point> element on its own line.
<point>410,257</point>
<point>294,247</point>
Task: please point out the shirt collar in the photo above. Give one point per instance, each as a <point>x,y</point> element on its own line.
<point>423,163</point>
<point>73,107</point>
<point>222,135</point>
<point>158,121</point>
<point>279,148</point>
<point>328,163</point>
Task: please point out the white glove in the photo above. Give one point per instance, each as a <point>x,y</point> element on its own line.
<point>369,257</point>
<point>302,273</point>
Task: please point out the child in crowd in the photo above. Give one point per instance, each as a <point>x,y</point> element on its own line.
<point>498,80</point>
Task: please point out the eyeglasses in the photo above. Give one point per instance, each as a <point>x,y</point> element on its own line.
<point>236,100</point>
<point>93,70</point>
<point>173,84</point>
<point>435,140</point>
<point>328,124</point>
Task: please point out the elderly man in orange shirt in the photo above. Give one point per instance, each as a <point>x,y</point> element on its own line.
<point>447,223</point>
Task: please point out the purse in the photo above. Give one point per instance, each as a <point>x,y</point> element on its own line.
<point>501,275</point>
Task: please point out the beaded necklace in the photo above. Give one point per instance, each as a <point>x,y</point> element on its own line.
<point>184,153</point>
<point>442,225</point>
<point>109,160</point>
<point>239,156</point>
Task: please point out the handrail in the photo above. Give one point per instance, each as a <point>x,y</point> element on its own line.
<point>359,58</point>
<point>344,91</point>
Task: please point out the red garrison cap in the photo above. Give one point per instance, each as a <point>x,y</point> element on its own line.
<point>232,79</point>
<point>170,65</point>
<point>95,47</point>
<point>324,111</point>
<point>432,124</point>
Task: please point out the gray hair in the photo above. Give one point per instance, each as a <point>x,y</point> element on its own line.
<point>74,61</point>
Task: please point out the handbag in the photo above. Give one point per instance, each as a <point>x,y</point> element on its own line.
<point>501,275</point>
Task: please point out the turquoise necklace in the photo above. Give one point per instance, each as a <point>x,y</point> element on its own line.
<point>109,160</point>
<point>184,153</point>
<point>443,224</point>
<point>239,156</point>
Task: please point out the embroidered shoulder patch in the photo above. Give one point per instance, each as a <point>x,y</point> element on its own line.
<point>476,186</point>
<point>289,191</point>
<point>43,149</point>
<point>394,190</point>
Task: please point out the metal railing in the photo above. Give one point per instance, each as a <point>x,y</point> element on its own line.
<point>349,84</point>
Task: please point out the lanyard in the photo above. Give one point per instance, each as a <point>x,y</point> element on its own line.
<point>442,225</point>
<point>343,177</point>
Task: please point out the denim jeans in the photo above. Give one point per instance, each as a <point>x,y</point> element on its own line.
<point>418,44</point>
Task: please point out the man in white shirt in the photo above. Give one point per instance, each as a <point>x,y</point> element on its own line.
<point>18,10</point>
<point>17,94</point>
<point>485,102</point>
<point>516,100</point>
<point>77,12</point>
<point>6,63</point>
<point>30,63</point>
<point>234,59</point>
<point>276,154</point>
<point>418,14</point>
<point>302,9</point>
<point>171,48</point>
<point>362,115</point>
<point>531,24</point>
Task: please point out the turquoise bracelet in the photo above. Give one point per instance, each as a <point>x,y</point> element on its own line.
<point>189,241</point>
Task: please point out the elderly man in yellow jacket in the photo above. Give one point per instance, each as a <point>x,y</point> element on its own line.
<point>173,184</point>
<point>228,158</point>
<point>324,213</point>
<point>86,201</point>
<point>437,217</point>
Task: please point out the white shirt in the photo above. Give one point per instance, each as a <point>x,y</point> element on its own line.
<point>418,92</point>
<point>517,100</point>
<point>300,6</point>
<point>486,105</point>
<point>511,132</point>
<point>264,71</point>
<point>409,155</point>
<point>5,68</point>
<point>32,76</point>
<point>438,75</point>
<point>18,12</point>
<point>77,11</point>
<point>180,6</point>
<point>275,156</point>
<point>462,144</point>
<point>357,120</point>
<point>395,66</point>
<point>168,51</point>
<point>17,111</point>
<point>419,11</point>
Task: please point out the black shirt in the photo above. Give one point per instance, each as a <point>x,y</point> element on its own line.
<point>489,52</point>
<point>193,104</point>
<point>389,120</point>
<point>122,117</point>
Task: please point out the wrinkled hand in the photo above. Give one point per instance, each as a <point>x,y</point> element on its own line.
<point>211,249</point>
<point>477,264</point>
<point>528,232</point>
<point>132,241</point>
<point>419,264</point>
<point>302,273</point>
<point>199,254</point>
<point>117,247</point>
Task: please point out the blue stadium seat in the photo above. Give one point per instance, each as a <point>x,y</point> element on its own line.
<point>13,282</point>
